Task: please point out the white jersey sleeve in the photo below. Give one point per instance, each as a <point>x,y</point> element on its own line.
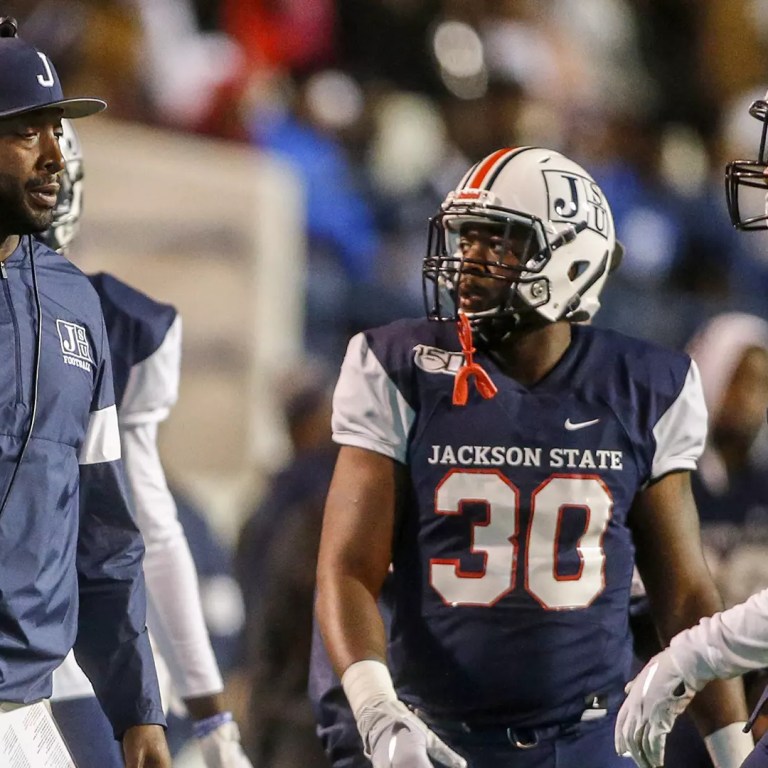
<point>368,409</point>
<point>174,611</point>
<point>681,432</point>
<point>153,384</point>
<point>725,645</point>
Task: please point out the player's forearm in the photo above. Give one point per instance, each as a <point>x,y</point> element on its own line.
<point>202,707</point>
<point>722,702</point>
<point>175,618</point>
<point>175,614</point>
<point>350,622</point>
<point>717,705</point>
<point>355,555</point>
<point>679,607</point>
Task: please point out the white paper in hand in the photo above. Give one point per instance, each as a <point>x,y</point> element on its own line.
<point>29,738</point>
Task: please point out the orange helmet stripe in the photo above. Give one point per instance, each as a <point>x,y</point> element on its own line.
<point>479,176</point>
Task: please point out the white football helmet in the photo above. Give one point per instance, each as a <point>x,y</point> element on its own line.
<point>69,205</point>
<point>569,239</point>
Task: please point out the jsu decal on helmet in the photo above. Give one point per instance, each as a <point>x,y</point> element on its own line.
<point>574,198</point>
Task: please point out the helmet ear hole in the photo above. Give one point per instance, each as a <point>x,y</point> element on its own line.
<point>577,269</point>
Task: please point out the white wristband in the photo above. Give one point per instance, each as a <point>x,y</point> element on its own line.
<point>729,746</point>
<point>366,681</point>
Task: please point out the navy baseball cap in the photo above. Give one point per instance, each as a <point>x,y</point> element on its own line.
<point>29,83</point>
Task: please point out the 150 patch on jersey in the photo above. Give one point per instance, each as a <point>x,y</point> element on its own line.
<point>435,360</point>
<point>74,345</point>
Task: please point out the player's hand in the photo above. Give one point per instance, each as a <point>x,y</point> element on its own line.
<point>654,700</point>
<point>394,737</point>
<point>221,748</point>
<point>144,746</point>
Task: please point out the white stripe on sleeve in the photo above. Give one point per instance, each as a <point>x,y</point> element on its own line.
<point>682,431</point>
<point>102,440</point>
<point>368,409</point>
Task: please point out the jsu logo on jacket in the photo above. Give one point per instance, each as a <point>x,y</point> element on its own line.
<point>74,345</point>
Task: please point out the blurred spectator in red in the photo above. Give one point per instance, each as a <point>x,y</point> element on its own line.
<point>295,34</point>
<point>182,66</point>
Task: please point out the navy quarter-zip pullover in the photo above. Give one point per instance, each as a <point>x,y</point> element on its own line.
<point>70,551</point>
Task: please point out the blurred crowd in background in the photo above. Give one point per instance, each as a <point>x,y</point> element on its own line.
<point>380,106</point>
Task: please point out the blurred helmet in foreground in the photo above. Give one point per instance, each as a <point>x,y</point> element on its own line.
<point>746,184</point>
<point>69,206</point>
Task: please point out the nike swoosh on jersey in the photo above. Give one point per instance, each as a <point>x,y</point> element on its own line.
<point>570,425</point>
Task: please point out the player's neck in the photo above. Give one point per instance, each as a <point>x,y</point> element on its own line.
<point>530,355</point>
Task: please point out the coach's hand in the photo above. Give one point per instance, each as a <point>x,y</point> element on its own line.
<point>654,700</point>
<point>144,746</point>
<point>394,737</point>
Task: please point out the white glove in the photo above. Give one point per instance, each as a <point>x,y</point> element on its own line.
<point>221,748</point>
<point>654,700</point>
<point>394,737</point>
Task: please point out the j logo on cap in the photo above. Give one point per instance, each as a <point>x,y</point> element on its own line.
<point>28,80</point>
<point>45,80</point>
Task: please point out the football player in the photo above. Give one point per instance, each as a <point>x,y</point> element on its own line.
<point>145,344</point>
<point>510,473</point>
<point>335,724</point>
<point>732,642</point>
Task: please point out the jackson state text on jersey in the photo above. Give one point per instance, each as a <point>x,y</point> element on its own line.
<point>513,561</point>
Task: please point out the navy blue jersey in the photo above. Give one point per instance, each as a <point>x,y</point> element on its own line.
<point>70,551</point>
<point>512,558</point>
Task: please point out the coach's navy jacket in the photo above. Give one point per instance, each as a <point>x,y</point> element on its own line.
<point>66,532</point>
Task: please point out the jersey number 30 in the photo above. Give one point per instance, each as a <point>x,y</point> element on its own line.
<point>497,539</point>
